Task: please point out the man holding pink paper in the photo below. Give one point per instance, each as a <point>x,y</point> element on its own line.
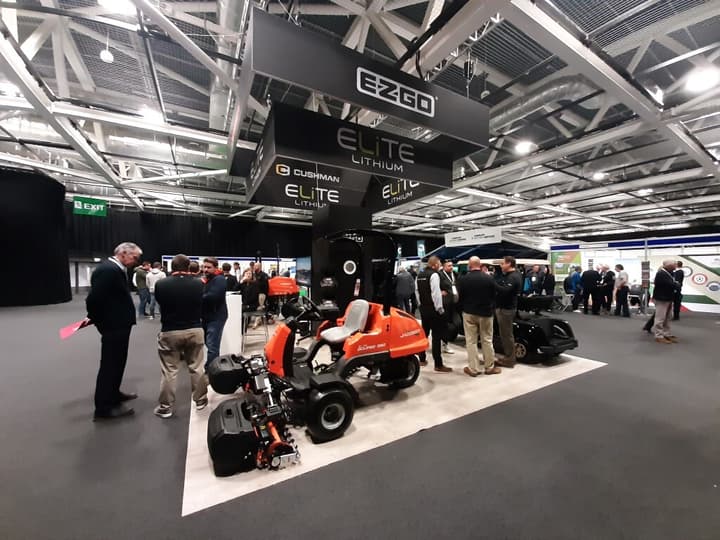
<point>111,309</point>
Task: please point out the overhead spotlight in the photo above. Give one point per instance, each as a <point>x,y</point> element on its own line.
<point>644,192</point>
<point>106,56</point>
<point>122,7</point>
<point>702,79</point>
<point>525,147</point>
<point>551,173</point>
<point>563,205</point>
<point>599,176</point>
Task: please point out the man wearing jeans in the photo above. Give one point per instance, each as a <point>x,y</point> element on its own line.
<point>214,308</point>
<point>508,286</point>
<point>181,338</point>
<point>476,297</point>
<point>141,273</point>
<point>664,293</point>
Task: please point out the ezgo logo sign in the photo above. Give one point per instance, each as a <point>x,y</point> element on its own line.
<point>385,89</point>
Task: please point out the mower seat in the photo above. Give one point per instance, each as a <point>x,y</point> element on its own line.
<point>355,321</point>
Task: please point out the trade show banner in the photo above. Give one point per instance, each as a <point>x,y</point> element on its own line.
<point>309,160</point>
<point>562,261</point>
<point>316,138</point>
<point>286,52</point>
<point>701,286</point>
<point>475,237</point>
<point>85,206</point>
<point>385,193</point>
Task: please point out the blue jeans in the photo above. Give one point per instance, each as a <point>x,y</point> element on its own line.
<point>152,304</point>
<point>213,336</point>
<point>144,295</point>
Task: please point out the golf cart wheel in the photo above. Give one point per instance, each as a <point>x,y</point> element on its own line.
<point>413,372</point>
<point>330,413</point>
<point>523,353</point>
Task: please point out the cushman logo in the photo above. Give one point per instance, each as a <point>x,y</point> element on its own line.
<point>284,170</point>
<point>385,89</point>
<point>311,197</point>
<point>375,151</point>
<point>411,333</point>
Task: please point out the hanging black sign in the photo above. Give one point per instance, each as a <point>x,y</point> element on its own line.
<point>309,136</point>
<point>385,193</point>
<point>286,52</point>
<point>301,185</point>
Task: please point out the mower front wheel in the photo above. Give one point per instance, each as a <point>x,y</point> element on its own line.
<point>330,412</point>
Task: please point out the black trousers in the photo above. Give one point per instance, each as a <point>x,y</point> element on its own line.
<point>402,302</point>
<point>621,302</point>
<point>434,326</point>
<point>113,357</point>
<point>677,301</point>
<point>576,299</point>
<point>607,298</point>
<point>596,296</point>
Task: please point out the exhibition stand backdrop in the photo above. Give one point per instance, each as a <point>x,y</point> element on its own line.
<point>33,225</point>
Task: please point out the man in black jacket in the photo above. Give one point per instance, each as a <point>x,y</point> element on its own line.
<point>432,312</point>
<point>590,281</point>
<point>111,309</point>
<point>476,296</point>
<point>214,307</point>
<point>508,285</point>
<point>404,289</point>
<point>664,291</point>
<point>679,276</point>
<point>181,338</point>
<point>607,288</point>
<point>231,283</point>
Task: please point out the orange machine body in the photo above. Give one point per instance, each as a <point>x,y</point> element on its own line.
<point>282,286</point>
<point>397,334</point>
<point>276,347</point>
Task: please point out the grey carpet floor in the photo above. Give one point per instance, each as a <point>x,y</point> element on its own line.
<point>631,451</point>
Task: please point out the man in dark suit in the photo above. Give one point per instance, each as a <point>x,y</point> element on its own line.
<point>590,280</point>
<point>111,309</point>
<point>679,276</point>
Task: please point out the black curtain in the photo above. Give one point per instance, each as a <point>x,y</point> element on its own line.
<point>35,269</point>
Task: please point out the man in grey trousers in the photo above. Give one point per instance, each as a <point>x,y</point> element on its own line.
<point>509,286</point>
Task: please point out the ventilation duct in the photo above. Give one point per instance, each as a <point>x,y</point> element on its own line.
<point>562,89</point>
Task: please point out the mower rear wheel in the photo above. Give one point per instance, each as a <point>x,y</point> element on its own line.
<point>330,413</point>
<point>413,372</point>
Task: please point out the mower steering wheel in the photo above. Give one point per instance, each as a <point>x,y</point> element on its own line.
<point>311,306</point>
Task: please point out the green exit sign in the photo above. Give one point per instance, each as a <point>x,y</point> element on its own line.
<point>86,206</point>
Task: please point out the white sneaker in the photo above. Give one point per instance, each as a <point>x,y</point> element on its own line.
<point>163,412</point>
<point>447,350</point>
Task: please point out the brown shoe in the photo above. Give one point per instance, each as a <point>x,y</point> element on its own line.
<point>664,340</point>
<point>423,363</point>
<point>443,369</point>
<point>470,372</point>
<point>505,363</point>
<point>674,339</point>
<point>493,371</point>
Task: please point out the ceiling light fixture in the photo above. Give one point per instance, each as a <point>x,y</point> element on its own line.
<point>9,89</point>
<point>105,55</point>
<point>122,7</point>
<point>599,176</point>
<point>645,191</point>
<point>525,147</point>
<point>702,79</point>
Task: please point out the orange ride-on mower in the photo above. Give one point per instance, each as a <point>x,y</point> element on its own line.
<point>282,389</point>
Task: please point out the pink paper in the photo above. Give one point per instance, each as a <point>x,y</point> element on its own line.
<point>69,330</point>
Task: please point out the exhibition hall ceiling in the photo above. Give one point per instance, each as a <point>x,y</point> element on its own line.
<point>604,114</point>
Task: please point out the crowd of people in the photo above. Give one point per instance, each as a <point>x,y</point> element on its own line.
<point>191,300</point>
<point>479,296</point>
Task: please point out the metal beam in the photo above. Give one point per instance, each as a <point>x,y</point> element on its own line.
<point>548,33</point>
<point>14,67</point>
<point>391,40</point>
<point>34,42</point>
<point>165,178</point>
<point>433,9</point>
